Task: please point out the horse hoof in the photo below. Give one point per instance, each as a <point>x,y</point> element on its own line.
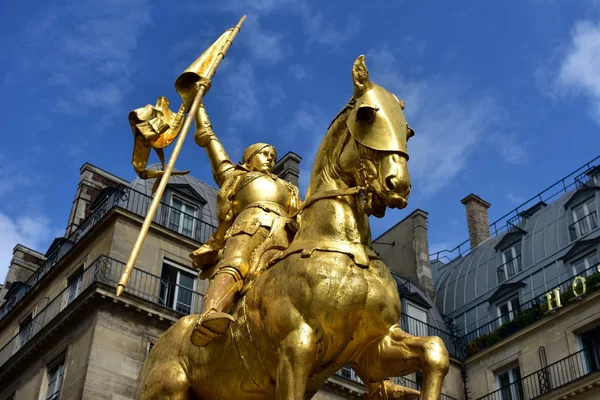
<point>395,391</point>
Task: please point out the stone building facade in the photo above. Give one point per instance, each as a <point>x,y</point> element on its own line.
<point>65,335</point>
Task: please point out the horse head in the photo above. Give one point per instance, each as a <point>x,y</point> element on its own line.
<point>376,156</point>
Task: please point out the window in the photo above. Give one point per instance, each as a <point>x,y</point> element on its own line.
<point>590,344</point>
<point>511,263</point>
<point>585,263</point>
<point>150,346</point>
<point>508,310</point>
<point>584,219</point>
<point>349,373</point>
<point>55,376</point>
<point>417,325</point>
<point>75,284</point>
<point>182,217</point>
<point>509,384</point>
<point>177,288</point>
<point>25,330</point>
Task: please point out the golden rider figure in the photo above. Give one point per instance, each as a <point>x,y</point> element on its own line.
<point>250,201</point>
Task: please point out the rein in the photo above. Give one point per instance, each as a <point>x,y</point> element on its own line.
<point>327,195</point>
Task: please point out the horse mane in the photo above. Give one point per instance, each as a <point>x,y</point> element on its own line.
<point>331,146</point>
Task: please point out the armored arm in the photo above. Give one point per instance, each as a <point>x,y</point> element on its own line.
<point>220,163</point>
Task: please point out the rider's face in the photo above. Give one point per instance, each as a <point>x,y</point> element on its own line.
<point>263,161</point>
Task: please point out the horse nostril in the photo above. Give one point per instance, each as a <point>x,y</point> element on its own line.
<point>392,182</point>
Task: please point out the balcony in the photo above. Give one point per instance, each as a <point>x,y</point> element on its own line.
<point>509,269</point>
<point>547,379</point>
<point>583,226</point>
<point>497,329</point>
<point>106,271</point>
<point>125,199</point>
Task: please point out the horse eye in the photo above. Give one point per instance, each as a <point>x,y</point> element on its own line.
<point>365,114</point>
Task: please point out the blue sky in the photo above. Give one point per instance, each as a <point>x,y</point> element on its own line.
<point>504,96</point>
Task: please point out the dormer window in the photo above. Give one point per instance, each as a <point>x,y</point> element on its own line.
<point>511,263</point>
<point>584,218</point>
<point>508,309</point>
<point>509,248</point>
<point>583,264</point>
<point>582,257</point>
<point>182,217</point>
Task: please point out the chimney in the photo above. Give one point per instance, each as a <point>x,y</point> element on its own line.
<point>421,249</point>
<point>477,219</point>
<point>91,182</point>
<point>288,167</point>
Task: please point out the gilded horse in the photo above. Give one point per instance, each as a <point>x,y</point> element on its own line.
<point>328,300</point>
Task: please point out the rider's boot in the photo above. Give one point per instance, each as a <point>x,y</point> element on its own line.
<point>214,322</point>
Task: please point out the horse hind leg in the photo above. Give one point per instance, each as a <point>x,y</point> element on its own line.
<point>399,354</point>
<point>296,359</point>
<point>165,381</point>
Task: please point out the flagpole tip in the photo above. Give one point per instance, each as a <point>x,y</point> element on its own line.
<point>120,289</point>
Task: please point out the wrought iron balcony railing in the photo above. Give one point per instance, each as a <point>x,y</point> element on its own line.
<point>583,226</point>
<point>107,271</point>
<point>419,328</point>
<point>509,269</point>
<point>126,199</point>
<point>348,373</point>
<point>546,379</point>
<point>504,223</point>
<point>498,329</point>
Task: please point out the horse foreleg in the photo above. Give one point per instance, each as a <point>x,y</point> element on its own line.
<point>399,354</point>
<point>296,359</point>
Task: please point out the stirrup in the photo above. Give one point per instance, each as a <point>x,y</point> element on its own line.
<point>210,326</point>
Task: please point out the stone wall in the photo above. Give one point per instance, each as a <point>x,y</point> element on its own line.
<point>72,342</point>
<point>96,243</point>
<point>404,249</point>
<point>118,352</point>
<point>557,333</point>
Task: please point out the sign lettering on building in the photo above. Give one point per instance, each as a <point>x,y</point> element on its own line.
<point>579,289</point>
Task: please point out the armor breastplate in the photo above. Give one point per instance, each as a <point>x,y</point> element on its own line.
<point>257,187</point>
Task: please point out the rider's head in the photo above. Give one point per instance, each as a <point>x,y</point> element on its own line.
<point>260,157</point>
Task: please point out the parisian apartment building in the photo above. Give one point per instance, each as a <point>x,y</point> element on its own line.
<point>517,303</point>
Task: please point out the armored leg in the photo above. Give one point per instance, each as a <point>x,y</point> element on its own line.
<point>219,297</point>
<point>222,289</point>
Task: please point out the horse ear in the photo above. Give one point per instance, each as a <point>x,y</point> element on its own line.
<point>360,76</point>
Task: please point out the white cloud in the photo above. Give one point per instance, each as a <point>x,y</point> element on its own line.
<point>268,45</point>
<point>30,231</point>
<point>298,72</point>
<point>310,124</point>
<point>578,66</point>
<point>514,198</point>
<point>511,147</point>
<point>11,177</point>
<point>450,122</point>
<point>240,94</point>
<point>85,51</point>
<point>265,45</point>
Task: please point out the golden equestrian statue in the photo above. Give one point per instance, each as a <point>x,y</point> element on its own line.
<point>315,296</point>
